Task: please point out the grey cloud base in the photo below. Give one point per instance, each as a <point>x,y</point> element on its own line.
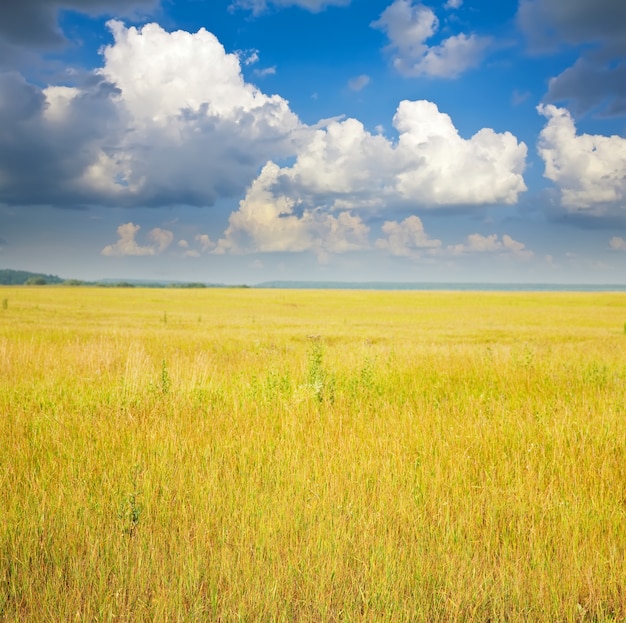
<point>35,22</point>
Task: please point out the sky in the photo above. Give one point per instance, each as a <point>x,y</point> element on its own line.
<point>241,141</point>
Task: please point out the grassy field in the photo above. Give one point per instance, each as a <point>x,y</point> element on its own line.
<point>250,455</point>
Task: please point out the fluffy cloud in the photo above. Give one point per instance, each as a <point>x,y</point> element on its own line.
<point>177,124</point>
<point>407,238</point>
<point>268,222</point>
<point>617,243</point>
<point>477,243</point>
<point>598,25</point>
<point>258,6</point>
<point>409,25</point>
<point>439,167</point>
<point>590,170</point>
<point>127,245</point>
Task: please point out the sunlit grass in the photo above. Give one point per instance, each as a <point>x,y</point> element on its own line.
<point>248,455</point>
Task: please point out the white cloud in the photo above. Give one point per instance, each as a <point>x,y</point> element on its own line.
<point>127,245</point>
<point>359,82</point>
<point>409,25</point>
<point>439,167</point>
<point>407,238</point>
<point>617,243</point>
<point>199,131</point>
<point>477,243</point>
<point>268,222</point>
<point>590,170</point>
<point>453,4</point>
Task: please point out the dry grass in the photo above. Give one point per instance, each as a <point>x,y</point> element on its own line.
<point>244,455</point>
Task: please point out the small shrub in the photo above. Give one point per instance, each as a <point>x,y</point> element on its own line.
<point>165,378</point>
<point>130,509</point>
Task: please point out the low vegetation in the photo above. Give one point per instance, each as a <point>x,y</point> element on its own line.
<point>270,455</point>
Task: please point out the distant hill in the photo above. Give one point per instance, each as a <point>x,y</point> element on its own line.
<point>10,277</point>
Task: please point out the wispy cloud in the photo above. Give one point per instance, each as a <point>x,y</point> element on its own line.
<point>358,83</point>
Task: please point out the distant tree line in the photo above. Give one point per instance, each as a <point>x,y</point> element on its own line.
<point>10,277</point>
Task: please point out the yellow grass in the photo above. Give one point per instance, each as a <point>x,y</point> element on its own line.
<point>247,455</point>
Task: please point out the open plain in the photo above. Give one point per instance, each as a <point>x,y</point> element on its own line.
<point>278,455</point>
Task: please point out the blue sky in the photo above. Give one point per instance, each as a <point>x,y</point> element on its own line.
<point>239,141</point>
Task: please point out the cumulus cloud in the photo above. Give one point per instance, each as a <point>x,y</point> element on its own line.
<point>189,131</point>
<point>270,222</point>
<point>477,243</point>
<point>406,238</point>
<point>597,27</point>
<point>358,83</point>
<point>409,25</point>
<point>127,245</point>
<point>440,167</point>
<point>617,243</point>
<point>258,6</point>
<point>589,170</point>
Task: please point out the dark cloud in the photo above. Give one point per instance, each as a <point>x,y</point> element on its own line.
<point>34,23</point>
<point>550,23</point>
<point>598,79</point>
<point>589,86</point>
<point>40,158</point>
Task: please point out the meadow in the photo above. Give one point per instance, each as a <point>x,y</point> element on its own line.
<point>277,455</point>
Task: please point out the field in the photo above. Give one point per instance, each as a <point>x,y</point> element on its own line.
<point>253,455</point>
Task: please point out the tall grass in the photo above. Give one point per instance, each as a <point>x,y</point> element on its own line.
<point>312,456</point>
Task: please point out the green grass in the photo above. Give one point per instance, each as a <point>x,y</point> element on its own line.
<point>248,455</point>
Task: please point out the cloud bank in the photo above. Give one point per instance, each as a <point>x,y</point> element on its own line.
<point>343,171</point>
